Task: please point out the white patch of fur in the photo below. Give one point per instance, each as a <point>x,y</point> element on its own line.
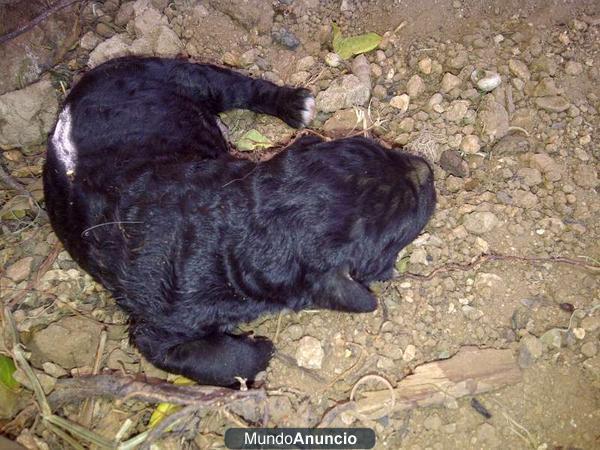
<point>62,140</point>
<point>309,110</point>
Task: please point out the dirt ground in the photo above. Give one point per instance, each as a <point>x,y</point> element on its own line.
<point>516,168</point>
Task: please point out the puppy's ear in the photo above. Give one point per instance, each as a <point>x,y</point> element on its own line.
<point>338,291</point>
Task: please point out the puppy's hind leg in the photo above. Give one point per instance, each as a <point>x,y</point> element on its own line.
<point>221,89</point>
<point>338,291</point>
<point>216,359</point>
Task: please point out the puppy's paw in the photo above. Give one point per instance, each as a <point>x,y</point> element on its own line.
<point>298,109</point>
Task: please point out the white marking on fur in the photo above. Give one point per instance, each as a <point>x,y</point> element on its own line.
<point>62,140</point>
<point>309,110</point>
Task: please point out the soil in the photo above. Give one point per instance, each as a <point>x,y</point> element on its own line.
<point>527,188</point>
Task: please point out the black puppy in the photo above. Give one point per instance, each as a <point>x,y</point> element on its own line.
<point>141,190</point>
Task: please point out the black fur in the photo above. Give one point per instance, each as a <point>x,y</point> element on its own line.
<point>192,241</point>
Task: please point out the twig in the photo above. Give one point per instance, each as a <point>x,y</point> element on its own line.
<point>167,423</point>
<point>483,259</point>
<point>87,411</point>
<point>61,4</point>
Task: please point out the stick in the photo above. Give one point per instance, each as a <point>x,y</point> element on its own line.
<point>61,4</point>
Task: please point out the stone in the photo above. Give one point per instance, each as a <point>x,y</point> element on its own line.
<point>27,115</point>
<point>70,342</point>
<point>304,64</point>
<point>452,162</point>
<point>167,43</point>
<point>591,323</point>
<point>333,59</point>
<point>105,30</point>
<point>589,349</point>
<point>419,256</point>
<point>519,69</point>
<point>459,61</point>
<point>286,38</point>
<point>89,41</point>
<point>343,93</point>
<point>115,47</point>
<point>586,176</point>
<point>573,68</point>
<point>407,124</point>
<point>492,119</point>
<point>20,270</point>
<point>449,82</point>
<point>553,103</point>
<point>531,177</point>
<point>425,66</point>
<point>530,349</point>
<point>409,353</point>
<point>470,144</point>
<point>471,313</point>
<point>480,222</point>
<point>400,102</point>
<point>433,422</point>
<point>248,13</point>
<point>343,120</point>
<point>552,339</point>
<point>525,199</point>
<point>486,80</point>
<point>415,86</point>
<point>309,353</point>
<point>550,168</point>
<point>124,14</point>
<point>457,110</point>
<point>545,88</point>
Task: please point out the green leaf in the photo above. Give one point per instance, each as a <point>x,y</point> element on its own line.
<point>252,140</point>
<point>402,264</point>
<point>7,368</point>
<point>353,45</point>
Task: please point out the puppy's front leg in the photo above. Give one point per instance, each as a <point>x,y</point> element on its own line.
<point>338,291</point>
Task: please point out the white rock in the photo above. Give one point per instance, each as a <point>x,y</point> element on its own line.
<point>400,102</point>
<point>409,353</point>
<point>309,353</point>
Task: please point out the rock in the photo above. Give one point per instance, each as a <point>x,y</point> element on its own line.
<point>425,65</point>
<point>486,80</point>
<point>531,177</point>
<point>248,13</point>
<point>589,349</point>
<point>115,47</point>
<point>409,353</point>
<point>459,61</point>
<point>20,270</point>
<point>286,38</point>
<point>166,43</point>
<point>294,332</point>
<point>433,422</point>
<point>26,57</point>
<point>343,120</point>
<point>586,176</point>
<point>480,222</point>
<point>27,115</point>
<point>380,92</point>
<point>309,353</point>
<point>546,87</point>
<point>449,82</point>
<point>343,93</point>
<point>89,41</point>
<point>304,64</point>
<point>415,86</point>
<point>488,437</point>
<point>400,102</point>
<point>124,14</point>
<point>591,323</point>
<point>407,124</point>
<point>573,68</point>
<point>470,144</point>
<point>362,69</point>
<point>492,119</point>
<point>70,342</point>
<point>552,339</point>
<point>471,313</point>
<point>543,162</point>
<point>530,349</point>
<point>47,382</point>
<point>554,103</point>
<point>54,370</point>
<point>525,199</point>
<point>333,59</point>
<point>105,30</point>
<point>452,162</point>
<point>419,256</point>
<point>298,78</point>
<point>457,110</point>
<point>519,69</point>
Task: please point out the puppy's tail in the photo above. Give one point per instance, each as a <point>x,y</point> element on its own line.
<point>216,359</point>
<point>221,89</point>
